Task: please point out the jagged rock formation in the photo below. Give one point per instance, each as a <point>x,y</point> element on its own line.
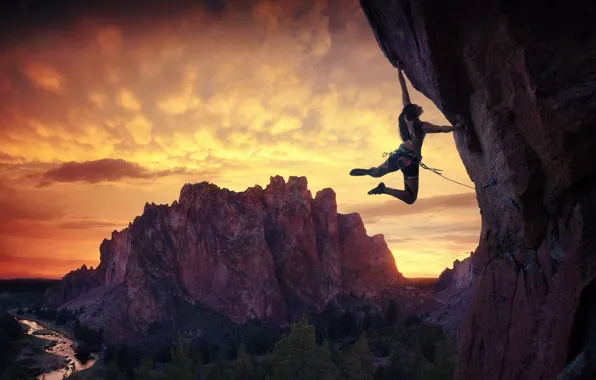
<point>78,282</point>
<point>459,277</point>
<point>256,254</point>
<point>453,292</point>
<point>522,74</point>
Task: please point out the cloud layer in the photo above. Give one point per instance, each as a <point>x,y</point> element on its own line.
<point>118,110</point>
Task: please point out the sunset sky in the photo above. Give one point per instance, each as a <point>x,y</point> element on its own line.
<point>109,111</point>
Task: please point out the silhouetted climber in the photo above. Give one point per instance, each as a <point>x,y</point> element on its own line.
<point>407,157</point>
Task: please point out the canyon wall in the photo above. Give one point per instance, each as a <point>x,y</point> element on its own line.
<point>522,75</point>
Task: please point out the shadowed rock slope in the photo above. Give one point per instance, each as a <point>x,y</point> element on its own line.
<point>522,74</point>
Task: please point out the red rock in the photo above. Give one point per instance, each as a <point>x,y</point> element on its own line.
<point>240,254</point>
<point>522,75</point>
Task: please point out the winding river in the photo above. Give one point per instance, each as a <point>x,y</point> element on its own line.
<point>63,348</point>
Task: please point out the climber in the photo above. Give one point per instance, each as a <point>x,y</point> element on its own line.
<point>408,156</point>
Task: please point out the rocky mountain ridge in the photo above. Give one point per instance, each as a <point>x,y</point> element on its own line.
<point>260,254</point>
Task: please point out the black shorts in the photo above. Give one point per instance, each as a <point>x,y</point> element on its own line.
<point>407,166</point>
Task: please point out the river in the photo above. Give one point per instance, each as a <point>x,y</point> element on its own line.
<point>63,348</point>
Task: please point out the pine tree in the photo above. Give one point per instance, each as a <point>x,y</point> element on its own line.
<point>364,357</point>
<point>358,361</point>
<point>113,372</point>
<point>296,356</point>
<point>392,313</point>
<point>243,367</point>
<point>181,366</point>
<point>145,370</point>
<point>350,367</point>
<point>218,370</point>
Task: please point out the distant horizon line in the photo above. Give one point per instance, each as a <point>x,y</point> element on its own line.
<point>60,278</point>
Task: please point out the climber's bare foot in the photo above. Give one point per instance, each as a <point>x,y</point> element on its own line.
<point>380,189</point>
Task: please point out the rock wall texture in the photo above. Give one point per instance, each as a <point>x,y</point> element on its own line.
<point>522,74</point>
<point>454,290</point>
<point>247,255</point>
<point>461,276</point>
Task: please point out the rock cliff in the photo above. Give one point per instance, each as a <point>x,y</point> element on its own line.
<point>258,254</point>
<point>522,75</point>
<point>461,276</point>
<point>453,292</point>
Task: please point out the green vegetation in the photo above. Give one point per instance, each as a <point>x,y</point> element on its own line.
<point>21,355</point>
<point>19,293</point>
<point>10,335</point>
<point>297,356</point>
<point>348,342</point>
<point>409,349</point>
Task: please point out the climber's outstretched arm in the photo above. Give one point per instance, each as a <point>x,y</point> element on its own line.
<point>432,128</point>
<point>404,89</point>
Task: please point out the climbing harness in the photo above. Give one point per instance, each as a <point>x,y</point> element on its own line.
<point>417,159</point>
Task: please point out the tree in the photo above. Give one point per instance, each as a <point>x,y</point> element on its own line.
<point>391,313</point>
<point>181,366</point>
<point>407,364</point>
<point>243,367</point>
<point>349,324</point>
<point>358,361</point>
<point>218,370</point>
<point>363,355</point>
<point>444,360</point>
<point>64,316</point>
<point>296,356</point>
<point>145,370</point>
<point>113,372</point>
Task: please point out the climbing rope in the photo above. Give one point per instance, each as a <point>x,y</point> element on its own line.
<point>418,160</point>
<point>436,171</point>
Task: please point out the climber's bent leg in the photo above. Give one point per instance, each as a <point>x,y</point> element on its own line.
<point>410,192</point>
<point>377,172</point>
<point>409,195</point>
<point>386,167</point>
<point>411,173</point>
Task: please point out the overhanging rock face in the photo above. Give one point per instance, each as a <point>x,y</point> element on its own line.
<point>522,74</point>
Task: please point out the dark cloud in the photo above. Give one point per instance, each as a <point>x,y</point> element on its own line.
<point>24,15</point>
<point>105,170</point>
<point>462,239</point>
<point>84,224</point>
<point>456,238</point>
<point>434,204</point>
<point>6,158</point>
<point>468,227</point>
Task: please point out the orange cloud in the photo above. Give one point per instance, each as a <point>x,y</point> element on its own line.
<point>229,94</point>
<point>45,76</point>
<point>128,100</point>
<point>140,129</point>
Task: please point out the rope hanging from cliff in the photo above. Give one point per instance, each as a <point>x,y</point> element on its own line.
<point>437,171</point>
<point>418,160</point>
